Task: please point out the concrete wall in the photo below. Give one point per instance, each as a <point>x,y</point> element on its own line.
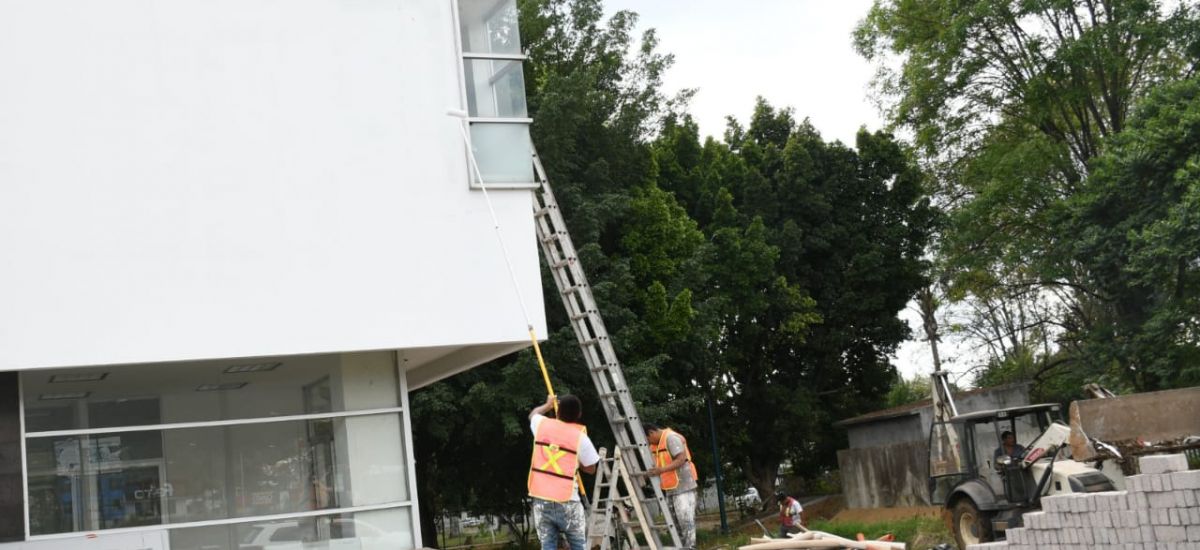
<point>233,178</point>
<point>885,476</point>
<point>888,431</point>
<point>915,427</point>
<point>1155,416</point>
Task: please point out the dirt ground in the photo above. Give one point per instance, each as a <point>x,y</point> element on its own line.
<point>868,515</point>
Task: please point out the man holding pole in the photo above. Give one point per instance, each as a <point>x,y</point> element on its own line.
<point>561,448</point>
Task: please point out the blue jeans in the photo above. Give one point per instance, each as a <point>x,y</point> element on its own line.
<point>553,518</point>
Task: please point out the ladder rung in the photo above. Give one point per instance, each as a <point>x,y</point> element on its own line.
<point>553,236</point>
<point>562,263</point>
<point>571,289</point>
<point>543,210</point>
<point>579,316</point>
<point>593,341</point>
<point>605,366</point>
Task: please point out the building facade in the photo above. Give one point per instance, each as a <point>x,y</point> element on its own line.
<point>236,236</point>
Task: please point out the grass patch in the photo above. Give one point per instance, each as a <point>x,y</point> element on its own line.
<point>710,539</point>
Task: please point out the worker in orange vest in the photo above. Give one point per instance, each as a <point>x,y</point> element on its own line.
<point>561,448</point>
<point>677,474</point>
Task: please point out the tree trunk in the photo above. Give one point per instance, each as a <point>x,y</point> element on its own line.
<point>762,476</point>
<point>928,304</point>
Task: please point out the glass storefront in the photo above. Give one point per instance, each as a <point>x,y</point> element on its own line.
<point>136,447</point>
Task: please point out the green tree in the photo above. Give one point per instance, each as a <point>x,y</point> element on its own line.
<point>1010,104</point>
<point>910,390</point>
<point>815,248</point>
<point>1136,233</point>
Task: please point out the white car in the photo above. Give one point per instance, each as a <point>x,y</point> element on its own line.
<point>749,499</point>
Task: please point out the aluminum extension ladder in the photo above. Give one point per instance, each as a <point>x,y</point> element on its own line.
<point>599,355</point>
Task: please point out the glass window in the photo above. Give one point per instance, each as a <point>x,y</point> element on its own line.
<point>154,477</point>
<point>489,26</point>
<point>503,152</point>
<point>146,395</point>
<point>495,88</point>
<point>946,465</point>
<point>388,529</point>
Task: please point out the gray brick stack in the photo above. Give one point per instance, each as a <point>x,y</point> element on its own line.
<point>1159,511</point>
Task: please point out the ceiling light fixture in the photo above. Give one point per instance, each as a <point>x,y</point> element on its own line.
<point>64,395</point>
<point>78,377</point>
<point>221,387</point>
<point>252,367</point>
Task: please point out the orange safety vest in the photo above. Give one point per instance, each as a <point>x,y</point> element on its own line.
<point>554,462</point>
<point>662,457</point>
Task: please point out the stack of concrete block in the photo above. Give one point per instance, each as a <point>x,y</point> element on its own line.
<point>1159,511</point>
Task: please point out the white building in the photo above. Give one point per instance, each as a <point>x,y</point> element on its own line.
<point>235,235</point>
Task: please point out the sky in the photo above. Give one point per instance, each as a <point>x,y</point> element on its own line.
<point>794,53</point>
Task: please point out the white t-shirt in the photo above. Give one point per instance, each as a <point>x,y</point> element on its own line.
<point>586,453</point>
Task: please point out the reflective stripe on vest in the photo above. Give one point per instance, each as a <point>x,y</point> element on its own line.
<point>554,461</point>
<point>662,457</point>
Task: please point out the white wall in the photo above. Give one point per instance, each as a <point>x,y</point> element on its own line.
<point>184,180</point>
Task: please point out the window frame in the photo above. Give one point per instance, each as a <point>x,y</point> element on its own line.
<point>464,57</point>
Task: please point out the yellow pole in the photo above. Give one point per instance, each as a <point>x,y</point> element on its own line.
<point>537,350</point>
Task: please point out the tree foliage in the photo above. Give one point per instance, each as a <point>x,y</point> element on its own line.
<point>1014,105</point>
<point>763,272</point>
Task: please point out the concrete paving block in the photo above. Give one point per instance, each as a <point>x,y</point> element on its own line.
<point>1185,480</point>
<point>1015,535</point>
<point>1173,513</point>
<point>1137,501</point>
<point>1053,503</point>
<point>1161,500</point>
<point>1033,520</point>
<point>1187,497</point>
<point>1167,484</point>
<point>1129,519</point>
<point>1117,500</point>
<point>1193,533</point>
<point>1147,533</point>
<point>1135,483</point>
<point>1170,533</point>
<point>1158,464</point>
<point>1155,483</point>
<point>988,546</point>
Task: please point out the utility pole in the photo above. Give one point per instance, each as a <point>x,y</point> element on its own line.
<point>712,426</point>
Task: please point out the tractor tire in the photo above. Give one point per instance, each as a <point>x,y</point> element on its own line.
<point>969,525</point>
